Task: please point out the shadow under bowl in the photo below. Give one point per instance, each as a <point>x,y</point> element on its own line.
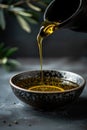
<point>21,82</point>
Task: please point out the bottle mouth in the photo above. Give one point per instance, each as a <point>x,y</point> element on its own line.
<point>62,10</point>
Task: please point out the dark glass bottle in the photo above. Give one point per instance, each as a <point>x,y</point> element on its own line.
<point>70,14</point>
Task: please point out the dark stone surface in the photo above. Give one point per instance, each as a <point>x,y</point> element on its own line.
<point>15,115</point>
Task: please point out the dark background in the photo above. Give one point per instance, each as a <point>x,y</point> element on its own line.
<point>62,43</point>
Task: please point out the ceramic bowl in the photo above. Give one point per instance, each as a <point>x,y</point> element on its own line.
<point>46,99</point>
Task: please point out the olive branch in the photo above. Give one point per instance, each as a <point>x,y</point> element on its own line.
<point>26,12</point>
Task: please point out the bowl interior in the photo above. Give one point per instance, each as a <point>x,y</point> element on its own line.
<point>47,81</point>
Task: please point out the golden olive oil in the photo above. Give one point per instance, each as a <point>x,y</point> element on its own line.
<point>46,88</point>
<point>51,84</point>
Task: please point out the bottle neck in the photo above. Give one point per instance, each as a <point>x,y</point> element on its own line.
<point>62,11</point>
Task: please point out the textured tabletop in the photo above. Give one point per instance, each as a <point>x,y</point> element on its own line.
<point>15,115</point>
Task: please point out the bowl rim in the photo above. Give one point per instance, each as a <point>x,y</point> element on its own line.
<point>46,92</point>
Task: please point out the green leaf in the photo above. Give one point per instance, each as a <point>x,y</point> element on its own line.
<point>12,8</point>
<point>42,3</point>
<point>27,14</point>
<point>6,51</point>
<point>4,60</point>
<point>3,52</point>
<point>2,19</point>
<point>10,51</point>
<point>12,62</point>
<point>23,23</point>
<point>34,7</point>
<point>20,11</point>
<point>31,20</point>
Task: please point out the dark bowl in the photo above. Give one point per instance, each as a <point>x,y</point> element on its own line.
<point>47,99</point>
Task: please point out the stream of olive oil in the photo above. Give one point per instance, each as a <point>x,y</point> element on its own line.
<point>46,29</point>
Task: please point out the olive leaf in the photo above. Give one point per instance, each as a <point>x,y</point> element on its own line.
<point>33,7</point>
<point>13,8</point>
<point>11,64</point>
<point>20,11</point>
<point>31,20</point>
<point>2,19</point>
<point>10,51</point>
<point>5,53</point>
<point>23,23</point>
<point>42,3</point>
<point>24,13</point>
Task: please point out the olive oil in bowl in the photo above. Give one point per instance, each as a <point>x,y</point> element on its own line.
<point>48,85</point>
